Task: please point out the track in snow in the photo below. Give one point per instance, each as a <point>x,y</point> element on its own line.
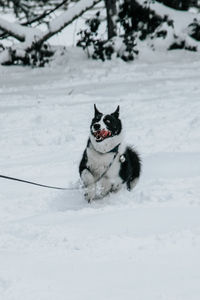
<point>142,245</point>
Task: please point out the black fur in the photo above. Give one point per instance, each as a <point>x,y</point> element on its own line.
<point>84,160</point>
<point>83,163</point>
<point>113,124</point>
<point>130,169</point>
<point>112,121</point>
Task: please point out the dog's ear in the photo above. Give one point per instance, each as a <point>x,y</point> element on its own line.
<point>96,111</point>
<point>116,113</point>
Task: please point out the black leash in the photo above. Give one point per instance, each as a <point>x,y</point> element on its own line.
<point>38,184</point>
<point>55,187</point>
<point>115,150</point>
<point>104,173</point>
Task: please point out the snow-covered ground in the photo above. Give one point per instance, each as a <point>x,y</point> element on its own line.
<point>143,245</point>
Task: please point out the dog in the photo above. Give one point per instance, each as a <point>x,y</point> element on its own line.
<point>107,164</point>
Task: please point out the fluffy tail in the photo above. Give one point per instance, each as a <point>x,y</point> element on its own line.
<point>131,168</point>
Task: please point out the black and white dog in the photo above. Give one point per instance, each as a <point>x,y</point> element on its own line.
<point>107,163</point>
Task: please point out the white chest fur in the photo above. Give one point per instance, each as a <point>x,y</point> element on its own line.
<point>108,163</point>
<point>98,163</point>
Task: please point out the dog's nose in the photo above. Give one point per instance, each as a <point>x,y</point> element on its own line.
<point>96,126</point>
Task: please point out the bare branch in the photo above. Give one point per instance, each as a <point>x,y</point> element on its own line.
<point>45,14</point>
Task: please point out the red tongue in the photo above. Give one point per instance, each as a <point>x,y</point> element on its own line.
<point>102,133</point>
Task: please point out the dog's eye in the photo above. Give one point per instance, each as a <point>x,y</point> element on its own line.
<point>107,121</point>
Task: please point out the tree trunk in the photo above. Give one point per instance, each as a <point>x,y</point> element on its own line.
<point>111,10</point>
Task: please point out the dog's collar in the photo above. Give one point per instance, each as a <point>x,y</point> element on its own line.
<point>115,149</point>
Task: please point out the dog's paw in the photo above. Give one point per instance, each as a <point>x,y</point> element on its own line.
<point>132,184</point>
<point>87,197</point>
<point>89,194</point>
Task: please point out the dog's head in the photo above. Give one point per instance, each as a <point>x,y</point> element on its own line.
<point>105,130</point>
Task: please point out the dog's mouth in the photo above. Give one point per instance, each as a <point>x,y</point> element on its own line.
<point>101,135</point>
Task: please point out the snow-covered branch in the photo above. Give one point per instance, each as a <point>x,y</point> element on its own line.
<point>32,37</point>
<point>45,13</point>
<point>68,17</point>
<point>182,19</point>
<point>178,34</point>
<point>14,29</point>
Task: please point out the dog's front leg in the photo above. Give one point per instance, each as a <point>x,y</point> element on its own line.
<point>104,187</point>
<point>89,183</point>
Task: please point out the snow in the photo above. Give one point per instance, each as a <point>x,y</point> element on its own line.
<point>18,30</point>
<point>139,245</point>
